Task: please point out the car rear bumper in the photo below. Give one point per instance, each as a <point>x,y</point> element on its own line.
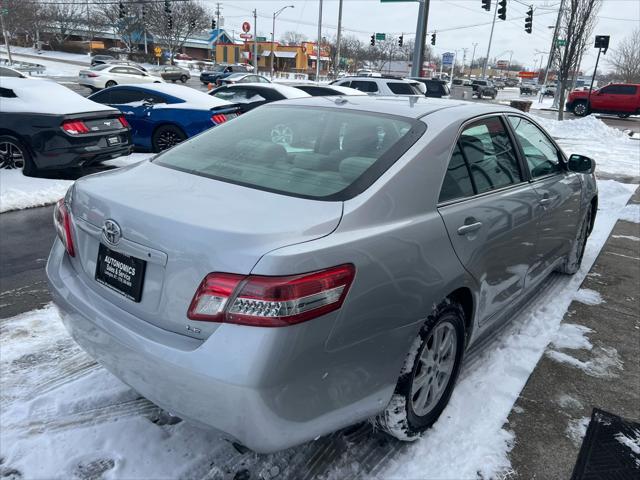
<point>261,386</point>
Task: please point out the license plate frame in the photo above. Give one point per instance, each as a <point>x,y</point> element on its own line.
<point>113,141</point>
<point>121,273</point>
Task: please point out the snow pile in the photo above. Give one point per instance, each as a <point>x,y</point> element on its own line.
<point>18,192</point>
<point>631,213</point>
<point>588,297</point>
<point>576,430</point>
<point>589,128</point>
<point>572,336</point>
<point>603,364</point>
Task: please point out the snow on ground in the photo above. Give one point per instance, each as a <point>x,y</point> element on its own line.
<point>61,410</point>
<point>588,296</point>
<point>18,192</point>
<point>631,213</point>
<point>53,55</point>
<point>53,68</point>
<point>614,152</point>
<point>576,430</point>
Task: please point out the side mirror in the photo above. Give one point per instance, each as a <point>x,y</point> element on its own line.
<point>581,164</point>
<point>148,102</point>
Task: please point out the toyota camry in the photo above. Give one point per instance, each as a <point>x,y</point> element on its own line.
<point>279,290</point>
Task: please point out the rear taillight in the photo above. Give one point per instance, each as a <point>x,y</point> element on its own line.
<point>123,121</point>
<point>270,301</point>
<point>74,127</point>
<point>92,75</point>
<point>62,221</point>
<point>219,118</point>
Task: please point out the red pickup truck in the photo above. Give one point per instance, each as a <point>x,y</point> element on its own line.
<point>622,99</point>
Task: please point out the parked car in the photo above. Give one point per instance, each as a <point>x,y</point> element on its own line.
<point>529,89</point>
<point>327,90</point>
<point>164,115</point>
<point>44,125</point>
<point>11,72</point>
<point>380,85</point>
<point>280,291</point>
<point>621,99</point>
<point>221,70</point>
<point>101,59</point>
<point>434,88</point>
<point>550,90</point>
<point>512,82</point>
<point>248,96</point>
<point>173,73</point>
<point>242,78</point>
<point>183,56</point>
<point>499,84</point>
<point>484,88</point>
<point>107,75</point>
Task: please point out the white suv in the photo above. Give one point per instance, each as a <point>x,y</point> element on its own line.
<point>382,85</point>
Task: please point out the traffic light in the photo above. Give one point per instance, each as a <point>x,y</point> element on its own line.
<point>167,7</point>
<point>400,40</point>
<point>213,24</point>
<point>122,11</point>
<point>502,9</point>
<point>528,21</point>
<point>192,24</point>
<point>169,22</point>
<point>144,12</point>
<point>433,39</point>
<point>373,40</point>
<point>486,4</point>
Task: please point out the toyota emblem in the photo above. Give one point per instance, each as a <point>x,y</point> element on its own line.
<point>111,232</point>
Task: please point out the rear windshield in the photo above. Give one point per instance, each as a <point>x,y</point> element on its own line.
<point>402,88</point>
<point>320,153</point>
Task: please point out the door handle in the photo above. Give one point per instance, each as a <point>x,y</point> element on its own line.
<point>468,228</point>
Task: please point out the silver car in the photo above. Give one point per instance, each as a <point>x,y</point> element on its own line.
<point>279,288</point>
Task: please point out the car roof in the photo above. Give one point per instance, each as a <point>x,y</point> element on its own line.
<point>407,106</point>
<point>286,90</point>
<point>188,94</point>
<point>370,79</point>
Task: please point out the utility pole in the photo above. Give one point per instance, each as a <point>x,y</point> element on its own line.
<point>319,41</point>
<point>255,41</point>
<point>453,65</point>
<point>473,55</point>
<point>3,12</point>
<point>218,27</point>
<point>554,40</point>
<point>273,33</point>
<point>421,33</point>
<point>486,60</point>
<point>464,60</point>
<point>338,37</point>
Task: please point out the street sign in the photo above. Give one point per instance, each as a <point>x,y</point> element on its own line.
<point>447,59</point>
<point>602,41</point>
<point>246,27</point>
<point>502,64</point>
<point>561,42</point>
<point>381,36</point>
<point>527,74</point>
<point>261,39</point>
<point>246,36</point>
<point>157,51</point>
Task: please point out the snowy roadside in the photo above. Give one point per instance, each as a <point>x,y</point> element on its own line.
<point>61,411</point>
<point>18,192</point>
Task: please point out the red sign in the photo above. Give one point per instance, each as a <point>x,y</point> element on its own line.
<point>246,36</point>
<point>246,27</point>
<point>527,74</point>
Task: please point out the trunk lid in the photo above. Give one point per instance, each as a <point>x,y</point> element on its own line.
<point>185,226</point>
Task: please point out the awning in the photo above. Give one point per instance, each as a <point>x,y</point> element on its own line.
<point>267,53</point>
<point>322,59</point>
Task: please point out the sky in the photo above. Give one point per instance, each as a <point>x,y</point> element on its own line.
<point>361,18</point>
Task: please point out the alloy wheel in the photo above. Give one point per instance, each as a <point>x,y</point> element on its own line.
<point>580,109</point>
<point>11,156</point>
<point>435,367</point>
<point>168,139</point>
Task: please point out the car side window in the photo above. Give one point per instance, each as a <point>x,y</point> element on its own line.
<point>627,89</point>
<point>543,158</point>
<point>400,88</point>
<point>123,96</point>
<point>364,86</point>
<point>487,149</point>
<point>134,71</point>
<point>240,95</point>
<point>457,179</point>
<point>103,97</point>
<point>119,70</point>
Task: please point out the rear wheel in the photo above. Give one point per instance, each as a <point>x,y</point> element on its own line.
<point>183,79</point>
<point>428,375</point>
<point>572,263</point>
<point>13,155</point>
<point>110,83</point>
<point>166,137</point>
<point>624,115</point>
<point>580,109</point>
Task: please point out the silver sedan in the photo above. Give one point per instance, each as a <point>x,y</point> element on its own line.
<point>280,288</point>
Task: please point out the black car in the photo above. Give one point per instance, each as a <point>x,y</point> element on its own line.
<point>435,88</point>
<point>45,125</point>
<point>219,71</point>
<point>100,59</point>
<point>484,88</point>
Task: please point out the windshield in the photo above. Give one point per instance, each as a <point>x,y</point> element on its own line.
<point>321,153</point>
<point>101,66</point>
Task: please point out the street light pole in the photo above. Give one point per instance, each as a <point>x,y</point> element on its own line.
<point>486,60</point>
<point>255,41</point>
<point>338,37</point>
<point>319,42</point>
<point>473,55</point>
<point>421,32</point>
<point>273,34</point>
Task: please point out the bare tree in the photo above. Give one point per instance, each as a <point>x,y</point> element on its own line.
<point>293,38</point>
<point>25,18</point>
<point>577,23</point>
<point>126,24</point>
<point>626,58</point>
<point>172,30</point>
<point>65,18</point>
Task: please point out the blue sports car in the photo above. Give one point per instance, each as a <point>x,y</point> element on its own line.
<point>162,115</point>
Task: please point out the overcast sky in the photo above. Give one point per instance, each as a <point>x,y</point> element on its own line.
<point>617,18</point>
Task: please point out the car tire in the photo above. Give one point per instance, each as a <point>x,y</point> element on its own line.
<point>412,409</point>
<point>493,97</point>
<point>166,136</point>
<point>183,79</point>
<point>624,115</point>
<point>572,263</point>
<point>110,83</point>
<point>14,155</point>
<point>581,109</point>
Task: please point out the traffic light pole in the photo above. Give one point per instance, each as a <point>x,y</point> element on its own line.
<point>421,33</point>
<point>486,60</point>
<point>6,39</point>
